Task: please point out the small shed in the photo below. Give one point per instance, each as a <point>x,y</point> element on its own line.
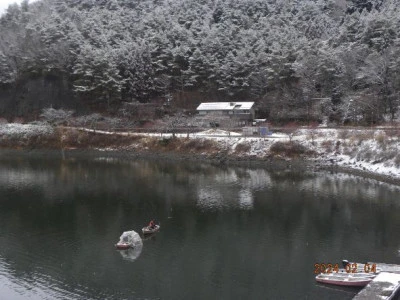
<point>256,130</point>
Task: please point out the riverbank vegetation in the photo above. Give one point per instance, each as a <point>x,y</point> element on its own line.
<point>372,150</point>
<point>128,75</point>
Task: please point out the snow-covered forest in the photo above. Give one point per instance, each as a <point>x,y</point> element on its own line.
<point>298,59</point>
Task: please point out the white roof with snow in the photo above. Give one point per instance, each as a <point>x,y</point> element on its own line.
<point>225,105</point>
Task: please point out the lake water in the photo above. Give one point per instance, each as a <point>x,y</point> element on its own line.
<point>226,232</point>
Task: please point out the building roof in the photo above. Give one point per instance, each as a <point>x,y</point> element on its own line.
<point>225,105</point>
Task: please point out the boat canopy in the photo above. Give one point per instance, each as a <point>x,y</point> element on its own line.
<point>130,237</point>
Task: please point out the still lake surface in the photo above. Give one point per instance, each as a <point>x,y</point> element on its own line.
<point>226,232</point>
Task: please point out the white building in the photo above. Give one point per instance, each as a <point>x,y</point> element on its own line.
<point>240,110</point>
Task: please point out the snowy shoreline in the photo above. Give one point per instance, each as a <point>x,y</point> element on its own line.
<point>371,153</point>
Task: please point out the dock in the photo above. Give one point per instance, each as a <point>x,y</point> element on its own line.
<point>385,286</point>
<point>387,267</point>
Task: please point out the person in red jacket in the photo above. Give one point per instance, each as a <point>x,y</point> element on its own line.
<point>152,224</point>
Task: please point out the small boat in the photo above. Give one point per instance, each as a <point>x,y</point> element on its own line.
<point>128,240</point>
<point>346,279</point>
<point>149,230</point>
<point>123,246</point>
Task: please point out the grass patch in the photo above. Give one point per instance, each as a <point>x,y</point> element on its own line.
<point>397,161</point>
<point>289,149</point>
<point>387,155</point>
<point>45,141</point>
<point>327,145</point>
<point>344,134</point>
<point>350,150</point>
<point>365,155</point>
<point>242,148</point>
<point>198,145</point>
<point>72,138</point>
<point>381,138</point>
<point>164,142</point>
<point>363,136</point>
<point>182,145</point>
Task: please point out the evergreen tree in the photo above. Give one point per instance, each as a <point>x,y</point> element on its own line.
<point>280,53</point>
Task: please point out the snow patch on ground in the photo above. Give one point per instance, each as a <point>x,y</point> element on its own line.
<point>217,132</point>
<point>25,130</point>
<point>391,278</point>
<point>357,149</point>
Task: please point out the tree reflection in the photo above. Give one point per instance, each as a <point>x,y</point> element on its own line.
<point>59,221</point>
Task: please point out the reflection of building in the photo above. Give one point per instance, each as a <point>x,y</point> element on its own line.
<point>246,199</point>
<point>219,199</point>
<point>242,111</point>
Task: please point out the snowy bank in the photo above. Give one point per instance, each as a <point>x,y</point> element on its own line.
<point>25,130</point>
<point>369,150</point>
<point>362,150</point>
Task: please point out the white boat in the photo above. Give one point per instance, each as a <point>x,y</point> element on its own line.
<point>346,279</point>
<point>150,230</point>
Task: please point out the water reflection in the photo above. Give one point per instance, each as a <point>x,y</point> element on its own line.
<point>245,199</point>
<point>239,229</point>
<point>135,241</point>
<point>216,187</point>
<point>133,253</point>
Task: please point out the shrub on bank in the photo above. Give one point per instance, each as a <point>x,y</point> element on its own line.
<point>364,136</point>
<point>397,161</point>
<point>343,134</point>
<point>327,145</point>
<point>198,145</point>
<point>381,138</point>
<point>182,145</point>
<point>289,149</point>
<point>164,142</point>
<point>242,148</point>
